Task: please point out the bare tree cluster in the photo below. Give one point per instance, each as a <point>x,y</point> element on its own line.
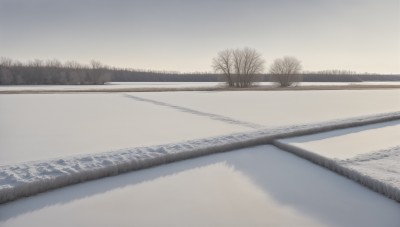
<point>334,75</point>
<point>73,73</point>
<point>336,72</point>
<point>239,67</point>
<point>286,71</point>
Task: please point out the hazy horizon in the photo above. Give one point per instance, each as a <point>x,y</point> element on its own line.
<point>177,35</point>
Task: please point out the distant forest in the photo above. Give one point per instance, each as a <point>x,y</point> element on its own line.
<point>53,72</point>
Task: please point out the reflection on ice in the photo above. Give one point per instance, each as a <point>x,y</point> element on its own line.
<point>259,186</point>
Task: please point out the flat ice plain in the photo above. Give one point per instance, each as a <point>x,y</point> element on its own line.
<point>60,125</point>
<point>352,142</point>
<point>371,153</point>
<point>258,186</point>
<point>279,108</point>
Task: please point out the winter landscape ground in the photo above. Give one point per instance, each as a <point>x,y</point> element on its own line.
<point>52,140</point>
<point>192,86</point>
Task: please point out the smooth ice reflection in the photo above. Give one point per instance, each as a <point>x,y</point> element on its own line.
<point>259,186</point>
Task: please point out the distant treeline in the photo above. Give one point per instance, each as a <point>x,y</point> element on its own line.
<point>346,76</point>
<point>38,72</point>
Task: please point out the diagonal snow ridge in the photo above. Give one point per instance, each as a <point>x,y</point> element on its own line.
<point>199,113</point>
<point>382,165</point>
<point>379,170</point>
<point>392,152</point>
<point>25,179</point>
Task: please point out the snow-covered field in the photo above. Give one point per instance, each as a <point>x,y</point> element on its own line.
<point>278,108</point>
<point>25,179</point>
<point>59,125</point>
<point>259,186</point>
<point>351,142</point>
<point>111,86</point>
<point>52,140</point>
<point>369,154</point>
<point>128,85</point>
<point>41,126</point>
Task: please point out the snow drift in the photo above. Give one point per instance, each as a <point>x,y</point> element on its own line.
<point>29,178</point>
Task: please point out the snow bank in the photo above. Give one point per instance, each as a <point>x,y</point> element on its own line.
<point>29,178</point>
<point>378,170</point>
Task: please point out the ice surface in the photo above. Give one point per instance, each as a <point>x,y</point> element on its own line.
<point>42,126</point>
<point>368,154</point>
<point>59,125</point>
<point>278,108</point>
<point>259,186</point>
<point>67,133</point>
<point>26,179</point>
<point>347,143</point>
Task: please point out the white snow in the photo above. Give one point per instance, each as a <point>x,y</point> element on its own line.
<point>259,186</point>
<point>382,165</point>
<point>368,154</point>
<point>59,125</point>
<point>347,143</point>
<point>128,85</point>
<point>166,84</point>
<point>50,141</point>
<point>349,83</point>
<point>29,178</point>
<point>42,126</point>
<point>111,86</point>
<point>278,108</point>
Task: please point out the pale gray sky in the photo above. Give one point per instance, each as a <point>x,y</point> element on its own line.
<point>184,35</point>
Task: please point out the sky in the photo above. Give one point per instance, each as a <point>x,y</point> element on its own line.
<point>185,35</point>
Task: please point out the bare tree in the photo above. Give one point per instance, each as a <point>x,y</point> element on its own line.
<point>286,71</point>
<point>223,63</point>
<point>239,67</point>
<point>99,72</point>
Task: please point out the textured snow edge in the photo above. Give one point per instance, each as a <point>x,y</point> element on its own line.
<point>341,168</point>
<point>20,180</point>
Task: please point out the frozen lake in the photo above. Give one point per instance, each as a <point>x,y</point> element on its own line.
<point>259,186</point>
<point>43,126</point>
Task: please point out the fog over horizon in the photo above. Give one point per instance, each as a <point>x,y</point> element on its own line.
<point>178,35</point>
